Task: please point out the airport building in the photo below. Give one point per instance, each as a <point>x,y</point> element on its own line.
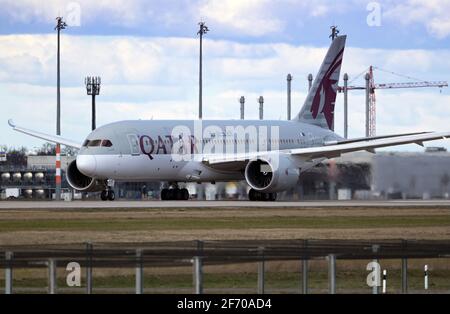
<point>385,175</point>
<point>35,180</point>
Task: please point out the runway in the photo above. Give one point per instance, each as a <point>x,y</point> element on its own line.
<point>214,204</point>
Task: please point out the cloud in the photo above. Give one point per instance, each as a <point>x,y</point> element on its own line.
<point>250,17</point>
<point>262,17</point>
<point>128,13</point>
<point>433,14</point>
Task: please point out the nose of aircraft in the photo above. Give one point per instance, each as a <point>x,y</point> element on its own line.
<point>86,164</point>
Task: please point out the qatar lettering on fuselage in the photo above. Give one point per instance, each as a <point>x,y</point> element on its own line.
<point>190,145</point>
<point>212,141</point>
<point>163,145</point>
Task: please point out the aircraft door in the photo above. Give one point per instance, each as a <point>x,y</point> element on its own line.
<point>133,141</point>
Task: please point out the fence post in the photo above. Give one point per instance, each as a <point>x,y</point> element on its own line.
<point>261,270</point>
<point>305,270</point>
<point>52,276</point>
<point>426,277</point>
<point>332,273</point>
<point>198,275</point>
<point>139,272</point>
<point>375,249</point>
<point>8,272</point>
<point>89,249</point>
<point>198,268</point>
<point>404,269</point>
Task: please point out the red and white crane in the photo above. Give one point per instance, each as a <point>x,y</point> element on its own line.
<point>371,97</point>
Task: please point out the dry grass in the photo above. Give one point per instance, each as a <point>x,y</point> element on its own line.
<point>141,225</point>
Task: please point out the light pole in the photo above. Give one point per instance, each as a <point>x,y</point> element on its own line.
<point>242,102</point>
<point>261,107</point>
<point>334,32</point>
<point>93,88</point>
<point>289,80</point>
<point>60,24</point>
<point>310,81</point>
<point>203,30</point>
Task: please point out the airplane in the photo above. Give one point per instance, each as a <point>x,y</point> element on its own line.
<point>269,155</point>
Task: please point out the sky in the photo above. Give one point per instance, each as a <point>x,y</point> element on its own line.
<point>146,53</point>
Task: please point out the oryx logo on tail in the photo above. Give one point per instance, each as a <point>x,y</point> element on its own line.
<point>325,97</point>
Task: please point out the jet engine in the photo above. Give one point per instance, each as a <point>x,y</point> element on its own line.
<point>81,182</point>
<point>272,174</point>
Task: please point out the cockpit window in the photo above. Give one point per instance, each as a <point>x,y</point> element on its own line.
<point>94,143</point>
<point>106,143</point>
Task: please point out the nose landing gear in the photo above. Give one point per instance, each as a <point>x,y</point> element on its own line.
<point>108,195</point>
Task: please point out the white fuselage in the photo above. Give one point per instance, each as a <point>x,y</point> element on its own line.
<point>175,150</point>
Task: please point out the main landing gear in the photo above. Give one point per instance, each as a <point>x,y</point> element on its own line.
<point>254,195</point>
<point>175,194</point>
<point>108,195</point>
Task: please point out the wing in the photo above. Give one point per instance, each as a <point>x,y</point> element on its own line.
<point>335,150</point>
<point>364,139</point>
<point>51,138</point>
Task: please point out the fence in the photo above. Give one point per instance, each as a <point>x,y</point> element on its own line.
<point>201,253</point>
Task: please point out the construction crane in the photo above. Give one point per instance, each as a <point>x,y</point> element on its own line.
<point>371,97</point>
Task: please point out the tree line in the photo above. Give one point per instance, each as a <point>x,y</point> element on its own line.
<point>18,156</point>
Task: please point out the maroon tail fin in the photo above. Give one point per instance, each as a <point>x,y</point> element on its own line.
<point>318,108</point>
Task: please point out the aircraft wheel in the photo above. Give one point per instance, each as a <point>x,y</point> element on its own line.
<point>178,194</point>
<point>265,197</point>
<point>171,194</point>
<point>272,197</point>
<point>164,194</point>
<point>111,195</point>
<point>104,195</point>
<point>252,195</point>
<point>185,194</point>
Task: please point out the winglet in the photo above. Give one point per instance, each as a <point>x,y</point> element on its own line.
<point>47,137</point>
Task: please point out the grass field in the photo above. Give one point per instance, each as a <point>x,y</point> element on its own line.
<point>27,226</point>
<point>207,223</point>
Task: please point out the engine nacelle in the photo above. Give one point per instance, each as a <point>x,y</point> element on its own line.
<point>81,182</point>
<point>272,174</point>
